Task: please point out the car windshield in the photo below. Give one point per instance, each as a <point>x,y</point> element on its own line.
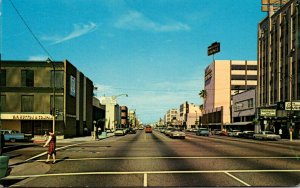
<point>150,93</point>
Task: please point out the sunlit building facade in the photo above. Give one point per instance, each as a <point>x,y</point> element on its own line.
<point>223,79</point>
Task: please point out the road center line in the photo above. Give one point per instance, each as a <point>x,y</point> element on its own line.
<point>239,180</point>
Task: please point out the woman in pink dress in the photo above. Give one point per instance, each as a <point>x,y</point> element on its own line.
<point>51,148</point>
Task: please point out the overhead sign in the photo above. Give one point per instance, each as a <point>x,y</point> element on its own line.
<point>213,48</point>
<point>26,116</point>
<point>295,106</point>
<point>268,112</point>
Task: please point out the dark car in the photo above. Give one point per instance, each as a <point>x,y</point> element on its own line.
<point>247,134</point>
<point>202,132</point>
<point>131,131</point>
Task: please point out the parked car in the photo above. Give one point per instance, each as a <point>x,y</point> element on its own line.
<point>12,135</point>
<point>168,131</point>
<point>223,133</point>
<point>266,135</point>
<point>176,133</point>
<point>109,131</point>
<point>131,131</point>
<point>203,132</point>
<point>119,132</point>
<point>246,134</point>
<point>234,133</point>
<point>216,131</point>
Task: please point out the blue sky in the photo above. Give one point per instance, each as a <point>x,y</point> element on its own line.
<point>153,50</point>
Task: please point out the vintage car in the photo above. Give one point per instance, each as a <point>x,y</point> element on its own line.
<point>12,135</point>
<point>119,132</point>
<point>266,135</point>
<point>176,133</point>
<point>203,132</point>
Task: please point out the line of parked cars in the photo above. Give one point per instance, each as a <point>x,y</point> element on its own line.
<point>263,135</point>
<point>124,131</point>
<point>173,132</point>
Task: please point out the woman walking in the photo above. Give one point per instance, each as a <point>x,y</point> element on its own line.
<point>51,148</point>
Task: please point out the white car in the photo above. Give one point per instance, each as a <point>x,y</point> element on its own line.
<point>234,133</point>
<point>177,134</point>
<point>119,132</point>
<point>266,135</point>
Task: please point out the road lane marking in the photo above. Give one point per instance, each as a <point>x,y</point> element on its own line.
<point>149,172</point>
<point>147,158</point>
<point>145,180</point>
<point>239,180</point>
<point>44,153</point>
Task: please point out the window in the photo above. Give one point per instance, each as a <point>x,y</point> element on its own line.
<point>3,78</point>
<point>27,103</point>
<point>2,103</point>
<point>250,103</point>
<point>59,103</point>
<point>27,78</point>
<point>59,79</point>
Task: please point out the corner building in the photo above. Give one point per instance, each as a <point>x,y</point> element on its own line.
<point>279,68</point>
<point>27,97</point>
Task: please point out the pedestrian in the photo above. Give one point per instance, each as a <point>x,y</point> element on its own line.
<point>2,142</point>
<point>51,148</point>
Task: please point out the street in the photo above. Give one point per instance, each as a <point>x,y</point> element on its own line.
<point>154,160</point>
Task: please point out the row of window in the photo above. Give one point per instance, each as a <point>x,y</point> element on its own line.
<point>27,78</point>
<point>244,105</point>
<point>27,103</point>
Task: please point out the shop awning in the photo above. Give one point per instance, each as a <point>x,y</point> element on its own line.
<point>239,123</point>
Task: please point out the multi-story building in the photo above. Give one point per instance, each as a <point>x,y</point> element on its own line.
<point>30,90</point>
<point>279,68</point>
<point>244,111</point>
<point>223,79</point>
<point>190,115</point>
<point>124,116</point>
<point>171,118</point>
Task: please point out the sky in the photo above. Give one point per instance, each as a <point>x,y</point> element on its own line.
<point>153,50</point>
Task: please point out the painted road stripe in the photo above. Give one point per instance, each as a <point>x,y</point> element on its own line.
<point>150,172</point>
<point>147,158</point>
<point>44,153</point>
<point>239,180</point>
<point>145,180</point>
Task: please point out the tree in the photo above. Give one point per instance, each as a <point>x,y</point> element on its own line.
<point>203,94</point>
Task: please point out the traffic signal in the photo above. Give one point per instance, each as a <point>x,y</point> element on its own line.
<point>280,105</point>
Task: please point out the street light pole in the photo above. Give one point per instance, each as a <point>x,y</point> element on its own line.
<point>196,119</point>
<point>53,90</point>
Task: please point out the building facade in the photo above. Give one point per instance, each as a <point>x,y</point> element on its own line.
<point>190,115</point>
<point>279,68</point>
<point>171,118</point>
<point>30,90</point>
<point>223,79</point>
<point>124,116</point>
<point>244,111</point>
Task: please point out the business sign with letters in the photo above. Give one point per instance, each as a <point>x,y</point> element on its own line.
<point>72,86</point>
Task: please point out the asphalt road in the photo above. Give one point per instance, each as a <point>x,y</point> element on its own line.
<point>154,160</point>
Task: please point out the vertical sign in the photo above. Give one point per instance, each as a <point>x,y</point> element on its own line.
<point>72,86</point>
